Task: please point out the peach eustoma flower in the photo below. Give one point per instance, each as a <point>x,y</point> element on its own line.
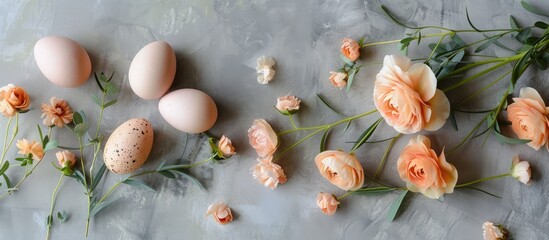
<point>327,203</point>
<point>407,97</point>
<point>424,171</point>
<point>225,147</point>
<point>350,49</point>
<point>27,147</point>
<point>287,104</point>
<point>13,99</point>
<point>338,79</point>
<point>262,138</point>
<point>66,159</point>
<point>268,173</point>
<point>521,171</point>
<point>58,113</point>
<point>492,232</point>
<point>220,212</point>
<point>341,169</point>
<point>528,117</point>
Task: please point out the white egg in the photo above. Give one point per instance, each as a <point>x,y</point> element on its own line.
<point>62,61</point>
<point>152,70</point>
<point>188,110</point>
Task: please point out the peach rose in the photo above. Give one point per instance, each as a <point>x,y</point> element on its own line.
<point>287,104</point>
<point>423,171</point>
<point>265,69</point>
<point>262,138</point>
<point>327,203</point>
<point>528,117</point>
<point>338,79</point>
<point>225,147</point>
<point>341,169</point>
<point>407,97</point>
<point>268,173</point>
<point>13,99</point>
<point>220,212</point>
<point>492,232</point>
<point>521,171</point>
<point>350,49</point>
<point>27,147</point>
<point>65,159</point>
<point>58,113</point>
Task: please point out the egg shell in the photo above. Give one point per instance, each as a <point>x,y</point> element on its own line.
<point>129,146</point>
<point>188,110</point>
<point>62,61</point>
<point>152,70</point>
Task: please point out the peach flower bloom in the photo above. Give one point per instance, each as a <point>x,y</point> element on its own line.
<point>262,138</point>
<point>66,158</point>
<point>492,232</point>
<point>407,97</point>
<point>521,171</point>
<point>30,147</point>
<point>287,104</point>
<point>423,171</point>
<point>341,169</point>
<point>528,117</point>
<point>58,113</point>
<point>268,173</point>
<point>350,49</point>
<point>226,147</point>
<point>338,79</point>
<point>327,203</point>
<point>13,99</point>
<point>220,212</point>
<point>265,69</point>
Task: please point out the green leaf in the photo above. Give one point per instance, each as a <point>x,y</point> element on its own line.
<point>49,220</point>
<point>328,105</point>
<point>419,38</point>
<point>167,173</point>
<point>542,25</point>
<point>96,100</point>
<point>366,135</point>
<point>4,167</point>
<point>77,118</point>
<point>453,120</point>
<point>184,174</point>
<point>351,78</point>
<point>469,21</point>
<point>532,40</point>
<point>109,87</point>
<point>161,165</point>
<point>81,129</point>
<point>50,145</point>
<point>109,103</point>
<point>346,61</point>
<point>395,206</point>
<point>97,208</point>
<point>507,140</point>
<point>98,82</point>
<point>98,176</point>
<point>513,23</point>
<point>523,35</point>
<point>68,148</point>
<point>374,192</point>
<point>458,41</point>
<point>40,134</point>
<point>323,140</point>
<point>533,9</point>
<point>7,180</point>
<point>62,216</point>
<point>138,184</point>
<point>78,176</point>
<point>388,13</point>
<point>487,44</point>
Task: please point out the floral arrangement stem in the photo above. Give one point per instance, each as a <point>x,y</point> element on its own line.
<point>50,215</point>
<point>386,155</point>
<point>14,188</point>
<point>7,144</point>
<point>326,126</point>
<point>483,179</point>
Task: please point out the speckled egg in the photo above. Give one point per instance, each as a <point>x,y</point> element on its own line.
<point>129,146</point>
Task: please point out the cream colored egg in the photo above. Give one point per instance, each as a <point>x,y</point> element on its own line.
<point>129,146</point>
<point>62,61</point>
<point>152,70</point>
<point>188,110</point>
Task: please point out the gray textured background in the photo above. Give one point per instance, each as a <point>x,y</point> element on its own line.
<point>217,43</point>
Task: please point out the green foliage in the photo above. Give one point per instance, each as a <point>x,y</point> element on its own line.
<point>395,206</point>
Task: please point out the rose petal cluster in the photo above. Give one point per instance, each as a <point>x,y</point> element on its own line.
<point>424,171</point>
<point>341,169</point>
<point>528,117</point>
<point>27,148</point>
<point>220,212</point>
<point>338,79</point>
<point>57,113</point>
<point>262,138</point>
<point>521,171</point>
<point>13,99</point>
<point>327,203</point>
<point>492,232</point>
<point>287,105</point>
<point>268,173</point>
<point>265,69</point>
<point>407,97</point>
<point>350,49</point>
<point>225,147</point>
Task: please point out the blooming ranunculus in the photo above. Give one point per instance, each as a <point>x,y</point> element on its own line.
<point>350,49</point>
<point>287,104</point>
<point>268,173</point>
<point>262,138</point>
<point>265,69</point>
<point>424,171</point>
<point>521,171</point>
<point>341,169</point>
<point>225,147</point>
<point>327,203</point>
<point>492,232</point>
<point>338,79</point>
<point>58,113</point>
<point>220,212</point>
<point>528,117</point>
<point>13,99</point>
<point>407,97</point>
<point>65,158</point>
<point>27,147</point>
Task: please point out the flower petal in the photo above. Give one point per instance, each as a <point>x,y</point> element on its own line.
<point>424,80</point>
<point>440,107</point>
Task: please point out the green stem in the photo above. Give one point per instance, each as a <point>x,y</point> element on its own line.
<point>479,74</point>
<point>484,88</point>
<point>483,179</point>
<point>10,142</point>
<point>4,149</point>
<point>298,142</point>
<point>97,144</point>
<point>344,120</point>
<point>385,155</point>
<point>50,216</point>
<point>366,190</point>
<point>292,121</point>
<point>398,40</point>
<point>436,47</point>
<point>472,65</point>
<point>27,173</point>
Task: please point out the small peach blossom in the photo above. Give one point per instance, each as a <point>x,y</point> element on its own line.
<point>528,117</point>
<point>521,171</point>
<point>27,147</point>
<point>287,104</point>
<point>268,173</point>
<point>327,203</point>
<point>225,147</point>
<point>338,79</point>
<point>262,138</point>
<point>424,171</point>
<point>220,212</point>
<point>66,158</point>
<point>350,49</point>
<point>13,99</point>
<point>492,232</point>
<point>58,113</point>
<point>407,97</point>
<point>341,169</point>
<point>265,69</point>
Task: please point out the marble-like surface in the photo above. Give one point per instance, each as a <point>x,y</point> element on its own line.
<point>217,43</point>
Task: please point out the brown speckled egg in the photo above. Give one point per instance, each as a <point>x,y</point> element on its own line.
<point>129,146</point>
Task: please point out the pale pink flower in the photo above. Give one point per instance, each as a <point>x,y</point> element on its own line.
<point>13,99</point>
<point>225,146</point>
<point>287,104</point>
<point>262,138</point>
<point>341,169</point>
<point>268,173</point>
<point>492,232</point>
<point>66,159</point>
<point>327,203</point>
<point>521,171</point>
<point>528,117</point>
<point>58,113</point>
<point>220,212</point>
<point>350,49</point>
<point>338,79</point>
<point>27,147</point>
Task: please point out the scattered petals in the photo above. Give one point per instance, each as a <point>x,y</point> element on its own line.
<point>220,212</point>
<point>327,203</point>
<point>262,138</point>
<point>268,173</point>
<point>265,69</point>
<point>492,232</point>
<point>338,79</point>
